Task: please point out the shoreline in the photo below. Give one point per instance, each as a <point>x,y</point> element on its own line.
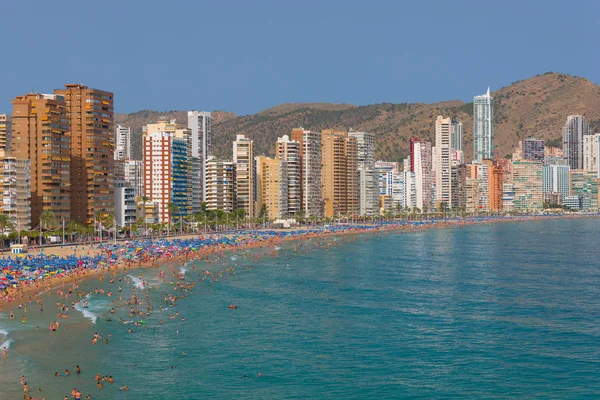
<point>209,245</point>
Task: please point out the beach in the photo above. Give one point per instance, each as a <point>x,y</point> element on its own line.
<point>27,276</point>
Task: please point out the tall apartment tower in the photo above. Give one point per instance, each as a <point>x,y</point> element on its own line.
<point>310,171</point>
<point>272,186</point>
<point>5,132</point>
<point>243,158</point>
<point>456,136</point>
<point>90,113</point>
<point>421,160</point>
<point>590,152</point>
<point>40,134</point>
<point>181,163</point>
<point>15,190</point>
<point>339,174</point>
<point>200,123</point>
<point>220,184</point>
<point>483,126</point>
<point>123,148</point>
<point>495,185</point>
<point>289,151</point>
<point>443,172</point>
<point>367,175</point>
<point>573,132</point>
<point>165,172</point>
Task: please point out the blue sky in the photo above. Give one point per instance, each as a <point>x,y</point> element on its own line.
<point>245,56</point>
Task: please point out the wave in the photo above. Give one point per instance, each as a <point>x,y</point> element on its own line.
<point>136,281</point>
<point>86,313</point>
<point>277,248</point>
<point>234,258</point>
<point>183,270</point>
<point>6,344</point>
<point>3,332</point>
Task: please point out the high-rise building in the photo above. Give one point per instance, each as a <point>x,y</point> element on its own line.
<point>556,183</point>
<point>483,129</point>
<point>456,136</point>
<point>310,170</point>
<point>90,113</point>
<point>458,181</point>
<point>573,132</point>
<point>289,151</point>
<point>123,147</point>
<point>495,185</point>
<point>585,184</point>
<point>5,132</point>
<point>16,190</point>
<point>200,123</point>
<point>40,134</point>
<point>408,190</point>
<point>180,132</point>
<point>532,149</point>
<point>443,172</point>
<point>471,194</point>
<point>243,158</point>
<point>527,184</point>
<point>421,160</point>
<point>481,173</point>
<point>508,196</point>
<point>220,185</point>
<point>339,174</point>
<point>367,175</point>
<point>125,205</point>
<point>134,176</point>
<point>590,152</point>
<point>166,172</point>
<point>272,186</point>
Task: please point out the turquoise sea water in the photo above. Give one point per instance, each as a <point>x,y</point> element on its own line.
<point>485,311</point>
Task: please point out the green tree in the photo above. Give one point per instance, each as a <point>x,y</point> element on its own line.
<point>48,219</point>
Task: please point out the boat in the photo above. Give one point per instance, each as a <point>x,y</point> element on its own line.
<point>233,306</point>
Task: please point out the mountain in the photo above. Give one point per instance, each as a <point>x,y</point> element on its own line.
<point>535,107</point>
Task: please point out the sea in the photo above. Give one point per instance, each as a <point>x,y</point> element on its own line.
<point>491,311</point>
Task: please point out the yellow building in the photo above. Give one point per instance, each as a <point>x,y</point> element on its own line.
<point>339,174</point>
<point>272,186</point>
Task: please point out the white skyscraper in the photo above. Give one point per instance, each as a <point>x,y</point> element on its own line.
<point>443,129</point>
<point>574,131</point>
<point>200,123</point>
<point>483,129</point>
<point>367,176</point>
<point>456,136</point>
<point>123,149</point>
<point>590,152</point>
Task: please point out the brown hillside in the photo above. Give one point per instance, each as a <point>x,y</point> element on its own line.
<point>534,107</point>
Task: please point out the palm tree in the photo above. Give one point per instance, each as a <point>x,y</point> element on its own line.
<point>145,200</point>
<point>173,210</point>
<point>48,219</point>
<point>6,224</point>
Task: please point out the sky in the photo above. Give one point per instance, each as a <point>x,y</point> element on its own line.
<point>246,56</point>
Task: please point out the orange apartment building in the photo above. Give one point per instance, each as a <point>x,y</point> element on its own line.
<point>339,174</point>
<point>40,134</point>
<point>90,114</point>
<point>495,185</point>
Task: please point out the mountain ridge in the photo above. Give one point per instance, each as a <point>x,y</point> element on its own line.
<point>537,106</point>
